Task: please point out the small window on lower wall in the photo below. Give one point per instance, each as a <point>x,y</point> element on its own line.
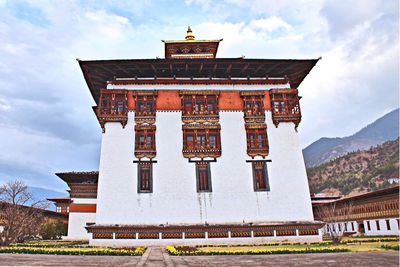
<point>387,224</point>
<point>203,176</point>
<point>260,176</point>
<point>378,226</point>
<point>145,177</point>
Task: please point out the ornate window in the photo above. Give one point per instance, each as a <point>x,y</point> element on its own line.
<point>260,176</point>
<point>145,177</point>
<point>199,106</point>
<point>257,140</point>
<point>112,107</point>
<point>145,107</point>
<point>201,141</point>
<point>203,176</point>
<point>285,106</point>
<point>254,110</point>
<point>145,141</point>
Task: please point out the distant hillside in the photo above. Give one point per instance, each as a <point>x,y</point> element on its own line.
<point>42,193</point>
<point>358,171</point>
<point>325,149</point>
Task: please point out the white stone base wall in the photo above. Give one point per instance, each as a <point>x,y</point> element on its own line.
<point>383,229</point>
<point>372,230</point>
<point>77,223</point>
<point>203,241</point>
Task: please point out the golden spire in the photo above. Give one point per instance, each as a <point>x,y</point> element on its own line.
<point>189,34</point>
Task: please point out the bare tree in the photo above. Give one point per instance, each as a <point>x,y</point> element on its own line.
<point>20,215</point>
<point>336,215</point>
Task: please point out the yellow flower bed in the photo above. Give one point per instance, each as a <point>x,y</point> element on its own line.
<point>177,252</point>
<point>52,243</point>
<point>74,251</point>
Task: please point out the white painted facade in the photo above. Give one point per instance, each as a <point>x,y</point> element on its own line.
<point>77,223</point>
<point>174,199</point>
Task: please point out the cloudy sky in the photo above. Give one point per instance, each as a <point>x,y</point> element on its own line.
<point>46,121</point>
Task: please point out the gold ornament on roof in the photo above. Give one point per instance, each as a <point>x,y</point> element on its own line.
<point>189,34</point>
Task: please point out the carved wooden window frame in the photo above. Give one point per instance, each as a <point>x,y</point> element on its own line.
<point>253,106</point>
<point>147,146</point>
<point>285,106</point>
<point>203,177</point>
<point>201,140</point>
<point>113,107</point>
<point>145,177</point>
<point>199,106</point>
<point>257,140</point>
<point>260,176</point>
<point>116,103</point>
<point>145,105</point>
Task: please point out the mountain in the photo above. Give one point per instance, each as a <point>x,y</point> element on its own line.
<point>42,193</point>
<point>357,172</point>
<point>325,149</point>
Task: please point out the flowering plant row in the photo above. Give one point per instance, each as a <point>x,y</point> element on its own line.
<point>391,247</point>
<point>370,240</point>
<point>52,243</point>
<point>176,252</point>
<point>74,251</point>
<point>323,243</point>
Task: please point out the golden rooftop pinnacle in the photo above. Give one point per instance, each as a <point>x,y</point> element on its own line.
<point>189,34</point>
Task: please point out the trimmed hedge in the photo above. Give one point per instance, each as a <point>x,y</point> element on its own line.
<point>74,251</point>
<point>52,244</point>
<point>370,240</point>
<point>391,247</point>
<point>176,252</point>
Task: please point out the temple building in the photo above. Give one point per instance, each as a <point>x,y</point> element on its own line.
<point>195,149</point>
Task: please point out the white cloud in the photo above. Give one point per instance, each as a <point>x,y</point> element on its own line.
<point>270,24</point>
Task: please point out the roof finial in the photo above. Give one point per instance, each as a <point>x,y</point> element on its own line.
<point>189,34</point>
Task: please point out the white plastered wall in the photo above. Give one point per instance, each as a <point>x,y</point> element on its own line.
<point>174,199</point>
<point>76,225</point>
<point>383,229</point>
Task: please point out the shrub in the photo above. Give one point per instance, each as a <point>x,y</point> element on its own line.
<point>51,244</point>
<point>177,252</point>
<point>391,247</point>
<point>74,251</point>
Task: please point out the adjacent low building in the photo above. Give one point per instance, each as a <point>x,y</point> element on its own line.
<point>80,206</point>
<point>370,214</point>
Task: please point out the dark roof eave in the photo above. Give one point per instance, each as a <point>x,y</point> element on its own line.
<point>78,177</point>
<point>98,72</point>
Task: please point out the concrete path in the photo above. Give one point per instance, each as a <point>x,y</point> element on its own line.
<point>157,257</point>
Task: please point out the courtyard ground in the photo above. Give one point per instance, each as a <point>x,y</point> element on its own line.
<point>156,256</point>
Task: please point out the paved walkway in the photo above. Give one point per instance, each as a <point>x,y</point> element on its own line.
<point>155,256</point>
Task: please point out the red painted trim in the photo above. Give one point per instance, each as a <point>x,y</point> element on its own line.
<point>82,208</point>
